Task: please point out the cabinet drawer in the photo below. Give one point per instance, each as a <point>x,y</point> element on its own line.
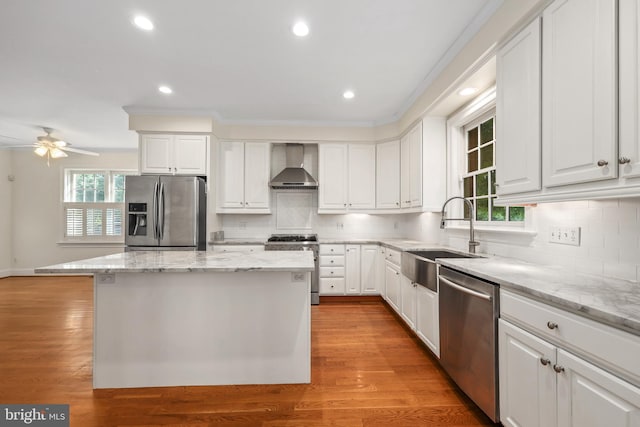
<point>609,347</point>
<point>329,286</point>
<point>331,271</point>
<point>238,248</point>
<point>331,249</point>
<point>332,261</point>
<point>393,256</point>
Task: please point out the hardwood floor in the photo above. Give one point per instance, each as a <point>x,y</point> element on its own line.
<point>367,370</point>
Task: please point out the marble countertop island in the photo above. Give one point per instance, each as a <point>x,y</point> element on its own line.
<point>186,262</point>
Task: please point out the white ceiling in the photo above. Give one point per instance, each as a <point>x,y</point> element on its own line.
<point>76,65</point>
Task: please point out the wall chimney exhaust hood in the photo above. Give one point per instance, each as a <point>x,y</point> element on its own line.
<point>294,175</point>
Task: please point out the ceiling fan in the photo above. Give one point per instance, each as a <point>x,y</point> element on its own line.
<point>52,147</point>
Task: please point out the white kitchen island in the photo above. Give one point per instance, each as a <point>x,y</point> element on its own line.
<point>168,318</point>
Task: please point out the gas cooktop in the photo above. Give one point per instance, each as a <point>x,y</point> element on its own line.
<point>293,238</point>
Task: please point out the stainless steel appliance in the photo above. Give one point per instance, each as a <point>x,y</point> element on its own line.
<point>421,267</point>
<point>468,336</point>
<point>299,242</point>
<point>165,213</point>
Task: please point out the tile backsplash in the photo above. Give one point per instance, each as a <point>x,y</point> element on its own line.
<point>609,240</point>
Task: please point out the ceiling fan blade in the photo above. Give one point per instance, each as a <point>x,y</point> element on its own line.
<point>19,146</point>
<point>10,137</point>
<point>77,150</point>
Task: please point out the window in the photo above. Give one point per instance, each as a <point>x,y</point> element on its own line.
<point>93,205</point>
<point>479,181</point>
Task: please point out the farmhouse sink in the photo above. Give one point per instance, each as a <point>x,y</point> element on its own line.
<point>420,266</point>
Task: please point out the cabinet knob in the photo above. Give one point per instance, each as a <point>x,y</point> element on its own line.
<point>552,325</point>
<point>397,203</point>
<point>602,163</point>
<point>332,261</point>
<point>397,274</point>
<point>624,160</point>
<point>246,203</point>
<point>332,286</point>
<point>175,169</point>
<point>559,369</point>
<point>544,361</point>
<point>345,205</point>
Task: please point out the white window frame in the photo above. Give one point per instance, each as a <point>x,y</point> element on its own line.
<point>85,206</point>
<point>472,113</point>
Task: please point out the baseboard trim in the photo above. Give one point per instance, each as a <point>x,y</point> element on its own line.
<point>341,299</point>
<point>5,273</point>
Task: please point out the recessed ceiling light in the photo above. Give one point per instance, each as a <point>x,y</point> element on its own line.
<point>300,29</point>
<point>348,94</point>
<point>468,91</point>
<point>165,89</point>
<point>143,22</point>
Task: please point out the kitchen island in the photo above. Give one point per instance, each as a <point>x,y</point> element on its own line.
<point>169,318</point>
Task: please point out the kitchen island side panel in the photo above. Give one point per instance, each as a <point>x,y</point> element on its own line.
<point>201,328</point>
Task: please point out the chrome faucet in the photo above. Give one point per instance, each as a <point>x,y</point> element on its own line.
<point>472,242</point>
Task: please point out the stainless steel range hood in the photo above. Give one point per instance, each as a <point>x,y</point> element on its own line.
<point>294,175</point>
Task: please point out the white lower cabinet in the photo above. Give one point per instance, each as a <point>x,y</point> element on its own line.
<point>408,301</point>
<point>427,320</point>
<point>369,279</point>
<point>392,285</point>
<point>542,384</point>
<point>352,269</point>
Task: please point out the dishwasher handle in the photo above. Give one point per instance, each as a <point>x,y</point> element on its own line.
<point>465,290</point>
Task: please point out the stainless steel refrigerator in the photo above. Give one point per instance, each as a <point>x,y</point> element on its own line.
<point>165,212</point>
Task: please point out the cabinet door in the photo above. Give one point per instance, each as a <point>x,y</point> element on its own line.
<point>411,168</point>
<point>155,154</point>
<point>369,269</point>
<point>591,397</point>
<point>190,154</point>
<point>362,176</point>
<point>332,176</point>
<point>231,174</point>
<point>352,269</point>
<point>527,379</point>
<point>257,168</point>
<point>518,125</point>
<point>415,166</point>
<point>427,321</point>
<point>381,264</point>
<point>388,175</point>
<point>579,87</point>
<point>629,88</point>
<point>392,284</point>
<point>408,301</point>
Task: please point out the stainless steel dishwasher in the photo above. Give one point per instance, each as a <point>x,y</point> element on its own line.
<point>468,336</point>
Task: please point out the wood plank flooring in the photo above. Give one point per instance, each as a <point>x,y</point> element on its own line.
<point>367,370</point>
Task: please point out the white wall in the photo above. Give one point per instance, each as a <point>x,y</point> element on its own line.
<point>610,237</point>
<point>37,210</point>
<point>6,187</point>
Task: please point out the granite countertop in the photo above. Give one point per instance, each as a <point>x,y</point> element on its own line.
<point>188,261</point>
<point>611,301</point>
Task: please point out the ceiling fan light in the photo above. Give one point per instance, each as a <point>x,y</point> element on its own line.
<point>41,151</point>
<point>60,143</point>
<point>56,153</point>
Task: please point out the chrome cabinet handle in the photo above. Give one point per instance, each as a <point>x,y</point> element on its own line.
<point>397,203</point>
<point>332,261</point>
<point>602,163</point>
<point>552,325</point>
<point>559,369</point>
<point>544,361</point>
<point>624,160</point>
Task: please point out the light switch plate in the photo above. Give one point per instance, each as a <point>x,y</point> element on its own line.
<point>565,235</point>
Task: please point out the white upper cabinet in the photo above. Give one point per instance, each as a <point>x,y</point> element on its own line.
<point>173,154</point>
<point>411,168</point>
<point>347,177</point>
<point>629,153</point>
<point>518,125</point>
<point>332,176</point>
<point>362,176</point>
<point>243,177</point>
<point>579,92</point>
<point>388,175</point>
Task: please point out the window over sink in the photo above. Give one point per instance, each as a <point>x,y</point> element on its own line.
<point>472,165</point>
<point>93,205</point>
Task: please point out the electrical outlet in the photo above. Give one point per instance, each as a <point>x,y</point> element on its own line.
<point>297,277</point>
<point>565,235</point>
<point>242,225</point>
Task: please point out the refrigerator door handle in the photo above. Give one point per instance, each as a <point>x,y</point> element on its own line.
<point>161,213</point>
<point>155,211</point>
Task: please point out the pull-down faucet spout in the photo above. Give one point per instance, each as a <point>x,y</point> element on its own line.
<point>472,242</point>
